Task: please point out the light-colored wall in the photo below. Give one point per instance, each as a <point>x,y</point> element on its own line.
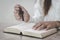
<point>7,7</point>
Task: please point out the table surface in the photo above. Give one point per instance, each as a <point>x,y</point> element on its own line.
<point>5,36</point>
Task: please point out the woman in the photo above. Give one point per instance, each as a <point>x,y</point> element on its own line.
<point>46,14</point>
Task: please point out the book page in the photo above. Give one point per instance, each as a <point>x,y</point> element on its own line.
<point>23,26</point>
<point>40,31</point>
<point>40,34</point>
<point>19,28</point>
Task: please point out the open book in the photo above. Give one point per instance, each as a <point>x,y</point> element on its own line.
<point>26,29</point>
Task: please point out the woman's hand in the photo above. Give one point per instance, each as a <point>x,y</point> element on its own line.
<point>45,25</point>
<point>17,10</point>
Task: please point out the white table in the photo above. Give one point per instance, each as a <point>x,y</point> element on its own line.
<point>5,36</point>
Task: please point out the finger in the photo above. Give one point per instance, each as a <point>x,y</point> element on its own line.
<point>17,5</point>
<point>16,12</point>
<point>37,25</point>
<point>17,8</point>
<point>34,26</point>
<point>48,27</point>
<point>41,27</point>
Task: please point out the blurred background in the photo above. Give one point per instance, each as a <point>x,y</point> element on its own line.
<point>7,8</point>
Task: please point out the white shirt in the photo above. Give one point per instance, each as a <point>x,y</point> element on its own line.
<point>53,14</point>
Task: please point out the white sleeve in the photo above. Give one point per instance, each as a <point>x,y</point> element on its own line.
<point>38,15</point>
<point>57,11</point>
<point>57,14</point>
<point>57,18</point>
